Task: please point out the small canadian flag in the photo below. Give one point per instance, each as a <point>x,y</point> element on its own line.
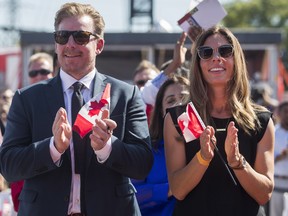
<point>191,123</point>
<point>91,111</point>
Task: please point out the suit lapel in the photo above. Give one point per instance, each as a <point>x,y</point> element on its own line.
<point>55,95</point>
<point>99,83</point>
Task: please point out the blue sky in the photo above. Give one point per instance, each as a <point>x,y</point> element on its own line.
<point>39,15</point>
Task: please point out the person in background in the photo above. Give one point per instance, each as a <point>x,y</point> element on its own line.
<point>153,194</point>
<point>277,202</point>
<point>241,180</point>
<point>6,204</point>
<point>65,174</point>
<point>182,70</point>
<point>145,71</point>
<point>261,93</point>
<point>6,95</point>
<point>40,67</point>
<point>175,65</point>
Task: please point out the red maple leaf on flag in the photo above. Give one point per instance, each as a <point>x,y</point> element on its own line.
<point>96,107</point>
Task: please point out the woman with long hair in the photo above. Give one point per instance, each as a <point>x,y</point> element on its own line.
<point>238,180</point>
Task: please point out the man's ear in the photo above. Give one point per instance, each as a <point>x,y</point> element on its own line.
<point>100,46</point>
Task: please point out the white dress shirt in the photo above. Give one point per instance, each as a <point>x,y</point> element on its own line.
<point>102,155</point>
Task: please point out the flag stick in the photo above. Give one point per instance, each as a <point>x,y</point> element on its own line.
<point>223,161</point>
<point>217,150</point>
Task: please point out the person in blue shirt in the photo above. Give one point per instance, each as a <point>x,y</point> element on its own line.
<point>153,194</point>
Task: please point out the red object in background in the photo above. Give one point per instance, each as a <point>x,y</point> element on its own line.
<point>149,109</point>
<point>11,67</point>
<point>16,188</point>
<point>282,80</point>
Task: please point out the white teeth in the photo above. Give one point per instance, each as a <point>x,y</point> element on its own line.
<point>216,69</point>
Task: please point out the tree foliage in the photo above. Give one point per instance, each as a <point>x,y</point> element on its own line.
<point>258,14</point>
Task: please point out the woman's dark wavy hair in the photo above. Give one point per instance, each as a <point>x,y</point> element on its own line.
<point>157,119</point>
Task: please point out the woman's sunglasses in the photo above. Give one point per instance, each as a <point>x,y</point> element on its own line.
<point>34,73</point>
<point>80,37</point>
<point>206,52</point>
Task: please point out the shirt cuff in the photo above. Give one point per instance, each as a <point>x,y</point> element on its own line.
<point>104,153</point>
<point>56,156</point>
<point>159,80</point>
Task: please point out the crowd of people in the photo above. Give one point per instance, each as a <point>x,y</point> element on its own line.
<point>279,200</point>
<point>135,158</point>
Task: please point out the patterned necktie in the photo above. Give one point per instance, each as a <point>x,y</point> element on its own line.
<point>79,144</point>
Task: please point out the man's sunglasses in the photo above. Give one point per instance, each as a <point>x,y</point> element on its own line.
<point>80,37</point>
<point>206,52</point>
<point>34,73</point>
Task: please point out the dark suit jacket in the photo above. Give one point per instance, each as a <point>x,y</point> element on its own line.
<point>2,127</point>
<point>25,152</point>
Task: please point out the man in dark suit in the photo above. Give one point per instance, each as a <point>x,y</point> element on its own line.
<point>38,145</point>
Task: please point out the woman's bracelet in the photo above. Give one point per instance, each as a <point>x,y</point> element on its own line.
<point>201,160</point>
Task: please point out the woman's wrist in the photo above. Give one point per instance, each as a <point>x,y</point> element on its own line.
<point>234,162</point>
<point>240,164</point>
<point>203,161</point>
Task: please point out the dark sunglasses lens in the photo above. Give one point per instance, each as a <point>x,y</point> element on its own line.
<point>61,37</point>
<point>44,72</point>
<point>81,37</point>
<point>225,51</point>
<point>205,52</point>
<point>34,73</point>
